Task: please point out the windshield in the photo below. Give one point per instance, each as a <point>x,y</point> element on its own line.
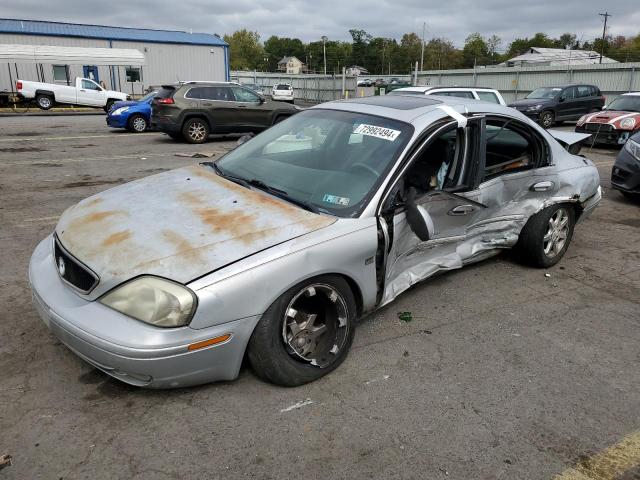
<point>401,91</point>
<point>148,96</point>
<point>328,159</point>
<point>545,92</point>
<point>627,103</point>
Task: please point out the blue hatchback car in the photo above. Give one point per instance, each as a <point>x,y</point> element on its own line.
<point>132,115</point>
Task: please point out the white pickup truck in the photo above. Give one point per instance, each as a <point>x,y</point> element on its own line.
<point>85,92</point>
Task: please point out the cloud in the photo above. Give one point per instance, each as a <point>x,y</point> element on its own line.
<point>310,19</point>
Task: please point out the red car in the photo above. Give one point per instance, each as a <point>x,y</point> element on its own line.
<point>616,122</point>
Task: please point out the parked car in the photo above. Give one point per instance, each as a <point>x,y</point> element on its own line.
<point>616,122</point>
<point>255,87</point>
<point>277,248</point>
<point>134,115</point>
<point>367,82</point>
<point>551,105</point>
<point>476,93</point>
<point>192,110</point>
<point>380,82</point>
<point>85,92</point>
<point>282,92</point>
<point>625,174</point>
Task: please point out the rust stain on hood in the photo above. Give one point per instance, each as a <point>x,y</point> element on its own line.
<point>179,224</point>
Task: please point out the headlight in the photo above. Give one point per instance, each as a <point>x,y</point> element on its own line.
<point>581,120</point>
<point>153,300</point>
<point>628,123</point>
<point>633,148</point>
<point>534,107</point>
<point>119,111</point>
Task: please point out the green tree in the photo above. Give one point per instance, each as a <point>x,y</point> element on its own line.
<point>475,50</point>
<point>277,47</point>
<point>359,46</point>
<point>493,45</point>
<point>245,50</point>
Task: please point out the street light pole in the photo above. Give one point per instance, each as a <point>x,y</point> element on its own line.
<point>424,25</point>
<point>324,52</point>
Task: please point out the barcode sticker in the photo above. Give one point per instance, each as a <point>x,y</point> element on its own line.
<point>378,132</point>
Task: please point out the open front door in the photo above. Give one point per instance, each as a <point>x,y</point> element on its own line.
<point>442,181</point>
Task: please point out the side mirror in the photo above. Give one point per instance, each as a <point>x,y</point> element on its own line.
<point>418,219</point>
<point>562,99</point>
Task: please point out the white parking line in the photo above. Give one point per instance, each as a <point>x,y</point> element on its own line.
<point>23,139</point>
<point>88,159</point>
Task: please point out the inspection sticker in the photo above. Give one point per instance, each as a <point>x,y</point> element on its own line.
<point>344,201</point>
<point>378,132</point>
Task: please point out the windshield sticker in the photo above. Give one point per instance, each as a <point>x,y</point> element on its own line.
<point>378,132</point>
<point>343,201</point>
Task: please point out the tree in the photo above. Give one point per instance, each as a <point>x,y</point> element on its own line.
<point>493,45</point>
<point>277,47</point>
<point>359,46</point>
<point>440,54</point>
<point>246,52</point>
<point>567,40</point>
<point>475,50</point>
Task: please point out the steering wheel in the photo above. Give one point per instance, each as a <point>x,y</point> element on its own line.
<point>366,167</point>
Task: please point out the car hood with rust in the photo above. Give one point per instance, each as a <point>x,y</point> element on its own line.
<point>180,225</point>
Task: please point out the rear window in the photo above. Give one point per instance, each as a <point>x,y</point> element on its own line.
<point>488,97</point>
<point>166,92</point>
<point>283,87</point>
<point>455,93</point>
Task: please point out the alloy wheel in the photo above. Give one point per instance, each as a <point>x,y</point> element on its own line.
<point>197,131</point>
<point>45,102</point>
<point>315,327</point>
<point>555,238</point>
<point>139,124</point>
<point>547,119</point>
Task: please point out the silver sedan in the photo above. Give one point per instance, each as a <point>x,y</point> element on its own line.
<point>276,249</point>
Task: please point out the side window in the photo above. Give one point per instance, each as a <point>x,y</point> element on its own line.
<point>584,91</point>
<point>219,93</point>
<point>196,93</point>
<point>439,166</point>
<point>488,97</point>
<point>244,95</point>
<point>510,147</point>
<point>595,91</point>
<point>89,85</point>
<point>569,93</point>
<point>456,93</point>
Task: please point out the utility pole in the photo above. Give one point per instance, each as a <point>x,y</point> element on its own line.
<point>424,26</point>
<point>324,52</point>
<point>606,15</point>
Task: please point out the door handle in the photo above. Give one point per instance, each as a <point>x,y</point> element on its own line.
<point>462,210</point>
<point>82,90</point>
<point>542,186</point>
<point>205,104</point>
<point>241,106</point>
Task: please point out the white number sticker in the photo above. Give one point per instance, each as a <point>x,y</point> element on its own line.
<point>378,132</point>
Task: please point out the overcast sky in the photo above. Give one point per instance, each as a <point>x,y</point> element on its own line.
<point>310,19</point>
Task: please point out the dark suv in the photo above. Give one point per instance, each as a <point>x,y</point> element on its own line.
<point>550,105</point>
<point>193,110</point>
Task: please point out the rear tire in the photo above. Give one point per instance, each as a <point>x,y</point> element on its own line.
<point>137,123</point>
<point>546,236</point>
<point>45,102</point>
<point>195,130</point>
<point>304,334</point>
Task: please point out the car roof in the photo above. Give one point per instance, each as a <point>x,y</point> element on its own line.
<point>426,88</point>
<point>632,94</point>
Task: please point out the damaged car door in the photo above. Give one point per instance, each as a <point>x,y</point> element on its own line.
<point>431,205</point>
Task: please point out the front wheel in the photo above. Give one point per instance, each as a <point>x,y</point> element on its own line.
<point>195,130</point>
<point>547,119</point>
<point>546,236</point>
<point>137,123</point>
<point>306,333</point>
<point>108,106</point>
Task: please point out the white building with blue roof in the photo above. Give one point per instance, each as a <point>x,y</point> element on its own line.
<point>138,59</point>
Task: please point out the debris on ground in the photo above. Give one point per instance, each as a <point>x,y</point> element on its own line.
<point>547,275</point>
<point>196,155</point>
<point>300,404</point>
<point>5,461</point>
<point>405,316</point>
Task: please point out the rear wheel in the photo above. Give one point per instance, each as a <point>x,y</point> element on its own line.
<point>45,102</point>
<point>306,333</point>
<point>195,130</point>
<point>547,119</point>
<point>137,123</point>
<point>546,236</point>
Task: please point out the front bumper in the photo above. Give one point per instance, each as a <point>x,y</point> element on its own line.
<point>625,174</point>
<point>116,121</point>
<point>613,137</point>
<point>127,349</point>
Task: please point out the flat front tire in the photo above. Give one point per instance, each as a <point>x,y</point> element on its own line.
<point>195,130</point>
<point>304,334</point>
<point>546,236</point>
